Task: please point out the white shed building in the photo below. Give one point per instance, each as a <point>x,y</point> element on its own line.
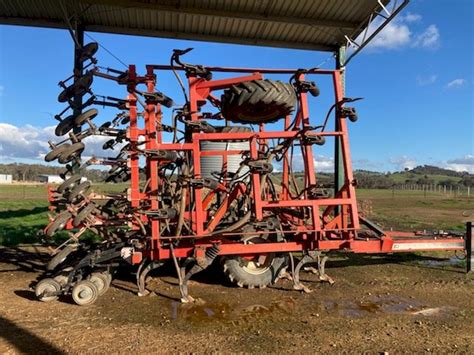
<point>6,179</point>
<point>50,179</point>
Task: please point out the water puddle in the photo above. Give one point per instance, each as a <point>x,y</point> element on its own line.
<point>374,305</point>
<point>277,309</point>
<point>202,311</point>
<point>453,261</point>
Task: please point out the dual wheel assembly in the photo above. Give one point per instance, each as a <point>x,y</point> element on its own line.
<point>83,292</point>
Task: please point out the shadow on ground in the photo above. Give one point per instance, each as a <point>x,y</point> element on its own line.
<point>25,341</point>
<point>19,259</point>
<point>22,212</point>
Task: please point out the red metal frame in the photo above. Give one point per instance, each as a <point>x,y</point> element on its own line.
<point>334,222</point>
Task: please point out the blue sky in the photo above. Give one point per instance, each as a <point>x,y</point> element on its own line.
<point>416,78</point>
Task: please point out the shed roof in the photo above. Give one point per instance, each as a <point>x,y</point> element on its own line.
<point>305,24</point>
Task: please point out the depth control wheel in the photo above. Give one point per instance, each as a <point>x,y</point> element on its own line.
<point>56,152</point>
<point>85,293</point>
<point>59,223</point>
<point>46,290</point>
<point>253,270</point>
<point>101,280</point>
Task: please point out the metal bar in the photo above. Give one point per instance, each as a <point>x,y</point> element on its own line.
<point>469,247</point>
<point>307,203</point>
<point>78,70</point>
<point>376,32</point>
<point>152,117</point>
<point>247,70</point>
<point>338,158</point>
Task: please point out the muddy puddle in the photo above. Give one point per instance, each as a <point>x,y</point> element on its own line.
<point>234,313</point>
<point>375,305</point>
<point>453,261</point>
<point>202,311</point>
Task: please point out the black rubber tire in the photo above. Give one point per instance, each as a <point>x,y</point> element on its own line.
<point>258,101</point>
<point>244,272</point>
<point>59,223</point>
<point>78,190</point>
<point>78,88</point>
<point>56,152</point>
<point>69,183</point>
<point>83,214</point>
<point>71,153</point>
<point>88,51</point>
<point>60,257</point>
<point>234,269</point>
<point>64,126</point>
<point>234,129</point>
<point>83,117</point>
<point>109,144</point>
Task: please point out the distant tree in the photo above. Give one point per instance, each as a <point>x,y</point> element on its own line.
<point>467,180</point>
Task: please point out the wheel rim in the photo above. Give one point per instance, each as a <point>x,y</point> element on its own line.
<point>98,282</point>
<point>84,293</point>
<point>45,288</point>
<point>259,264</point>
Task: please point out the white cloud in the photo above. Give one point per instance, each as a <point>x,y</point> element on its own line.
<point>429,38</point>
<point>403,162</point>
<point>321,163</point>
<point>24,142</point>
<point>403,32</point>
<point>394,35</point>
<point>460,164</point>
<point>423,81</point>
<point>29,142</point>
<point>456,83</point>
<point>409,17</point>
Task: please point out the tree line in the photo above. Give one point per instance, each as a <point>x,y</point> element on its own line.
<point>30,172</point>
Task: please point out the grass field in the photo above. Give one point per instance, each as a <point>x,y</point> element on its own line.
<point>24,210</point>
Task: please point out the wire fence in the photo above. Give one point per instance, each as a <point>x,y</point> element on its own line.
<point>448,190</point>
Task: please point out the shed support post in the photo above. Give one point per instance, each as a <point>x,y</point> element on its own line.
<point>469,247</point>
<point>78,68</point>
<point>338,158</point>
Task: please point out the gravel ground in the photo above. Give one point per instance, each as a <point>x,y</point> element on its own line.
<point>378,304</point>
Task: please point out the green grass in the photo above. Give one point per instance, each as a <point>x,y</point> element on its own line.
<point>20,220</point>
<point>415,210</point>
<point>24,210</point>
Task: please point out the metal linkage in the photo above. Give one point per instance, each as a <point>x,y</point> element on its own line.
<point>308,258</point>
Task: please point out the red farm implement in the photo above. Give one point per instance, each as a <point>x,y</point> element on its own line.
<point>203,184</point>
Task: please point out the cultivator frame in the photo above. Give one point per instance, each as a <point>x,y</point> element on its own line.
<point>245,217</point>
<point>340,224</point>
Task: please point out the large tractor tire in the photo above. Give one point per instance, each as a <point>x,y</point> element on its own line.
<point>254,271</point>
<point>258,101</point>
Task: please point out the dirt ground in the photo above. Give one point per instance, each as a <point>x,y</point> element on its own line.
<point>378,304</point>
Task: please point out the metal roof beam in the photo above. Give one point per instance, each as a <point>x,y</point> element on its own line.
<point>165,34</point>
<point>224,13</point>
<point>212,38</point>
